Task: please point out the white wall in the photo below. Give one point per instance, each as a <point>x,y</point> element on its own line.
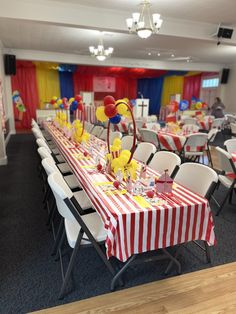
<point>228,91</point>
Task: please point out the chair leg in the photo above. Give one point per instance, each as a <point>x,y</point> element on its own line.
<point>71,264</point>
<point>231,196</point>
<point>224,200</point>
<point>208,256</point>
<point>58,237</point>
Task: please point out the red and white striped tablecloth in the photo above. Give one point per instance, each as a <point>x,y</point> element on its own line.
<point>132,228</point>
<point>170,141</point>
<point>205,124</point>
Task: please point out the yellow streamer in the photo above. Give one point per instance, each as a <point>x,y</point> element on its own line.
<point>172,85</point>
<point>47,81</point>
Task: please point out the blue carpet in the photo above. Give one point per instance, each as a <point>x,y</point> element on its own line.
<point>30,279</point>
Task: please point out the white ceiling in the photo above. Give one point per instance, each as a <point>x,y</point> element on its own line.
<point>208,11</point>
<point>55,34</point>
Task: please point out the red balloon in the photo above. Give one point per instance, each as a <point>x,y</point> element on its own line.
<point>110,110</point>
<point>80,106</point>
<point>99,167</point>
<point>116,184</point>
<point>109,100</point>
<point>64,100</point>
<point>78,98</point>
<point>52,102</point>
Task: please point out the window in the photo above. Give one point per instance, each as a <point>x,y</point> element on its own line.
<point>210,83</point>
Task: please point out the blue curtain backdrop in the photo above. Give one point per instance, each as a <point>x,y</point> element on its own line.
<point>151,88</point>
<point>66,84</point>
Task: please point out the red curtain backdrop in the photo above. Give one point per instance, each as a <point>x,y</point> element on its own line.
<point>192,86</point>
<point>126,79</point>
<point>25,83</point>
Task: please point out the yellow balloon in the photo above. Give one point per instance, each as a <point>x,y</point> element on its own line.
<point>100,114</point>
<point>59,101</point>
<point>126,100</point>
<point>117,142</point>
<point>56,106</point>
<point>54,98</point>
<point>123,160</point>
<point>125,152</point>
<point>71,100</point>
<point>121,108</point>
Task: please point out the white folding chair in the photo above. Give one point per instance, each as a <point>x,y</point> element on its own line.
<point>200,179</point>
<point>211,135</point>
<point>103,135</point>
<point>127,142</point>
<point>63,167</point>
<point>97,130</point>
<point>42,143</point>
<point>194,146</point>
<point>163,160</point>
<point>113,135</point>
<point>233,128</point>
<point>217,123</point>
<point>190,121</point>
<point>230,145</point>
<point>79,229</point>
<point>150,137</point>
<point>227,177</point>
<point>190,127</point>
<point>144,152</point>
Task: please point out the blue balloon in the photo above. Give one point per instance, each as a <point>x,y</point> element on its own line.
<point>133,102</point>
<point>116,119</point>
<point>74,105</point>
<point>61,106</point>
<point>183,105</point>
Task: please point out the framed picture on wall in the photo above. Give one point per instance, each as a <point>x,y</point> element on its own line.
<point>104,84</point>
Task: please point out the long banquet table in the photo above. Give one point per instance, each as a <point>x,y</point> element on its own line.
<point>133,224</point>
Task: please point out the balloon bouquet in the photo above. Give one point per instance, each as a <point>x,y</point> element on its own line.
<point>118,160</point>
<point>63,106</point>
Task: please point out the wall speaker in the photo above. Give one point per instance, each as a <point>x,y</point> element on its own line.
<point>224,76</point>
<point>10,64</point>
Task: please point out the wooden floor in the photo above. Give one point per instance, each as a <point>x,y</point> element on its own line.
<point>208,291</point>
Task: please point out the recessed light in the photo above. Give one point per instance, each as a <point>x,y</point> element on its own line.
<point>172,55</point>
<point>149,54</point>
<point>158,54</point>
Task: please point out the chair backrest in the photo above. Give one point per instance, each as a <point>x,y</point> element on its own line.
<point>196,141</point>
<point>97,130</point>
<point>230,118</point>
<point>149,136</point>
<point>103,135</point>
<point>207,117</point>
<point>113,135</point>
<point>163,160</point>
<point>49,166</point>
<point>61,191</point>
<point>217,123</point>
<point>212,134</point>
<point>88,126</point>
<point>144,151</point>
<point>230,145</point>
<point>196,177</point>
<point>233,128</point>
<point>190,127</point>
<point>44,153</point>
<point>37,133</point>
<point>127,142</point>
<point>190,121</point>
<point>225,160</point>
<point>41,143</point>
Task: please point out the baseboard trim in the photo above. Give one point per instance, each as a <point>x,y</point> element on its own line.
<point>3,161</point>
<point>9,136</point>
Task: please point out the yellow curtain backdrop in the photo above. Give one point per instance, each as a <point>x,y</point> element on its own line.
<point>48,82</point>
<point>172,85</point>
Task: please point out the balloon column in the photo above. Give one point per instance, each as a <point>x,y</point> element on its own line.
<point>112,111</point>
<point>79,135</point>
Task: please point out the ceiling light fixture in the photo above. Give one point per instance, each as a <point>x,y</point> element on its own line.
<point>100,52</point>
<point>144,24</point>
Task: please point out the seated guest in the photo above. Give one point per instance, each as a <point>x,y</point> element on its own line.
<point>217,108</point>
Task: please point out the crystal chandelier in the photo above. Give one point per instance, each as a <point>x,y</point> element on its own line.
<point>100,52</point>
<point>144,24</point>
